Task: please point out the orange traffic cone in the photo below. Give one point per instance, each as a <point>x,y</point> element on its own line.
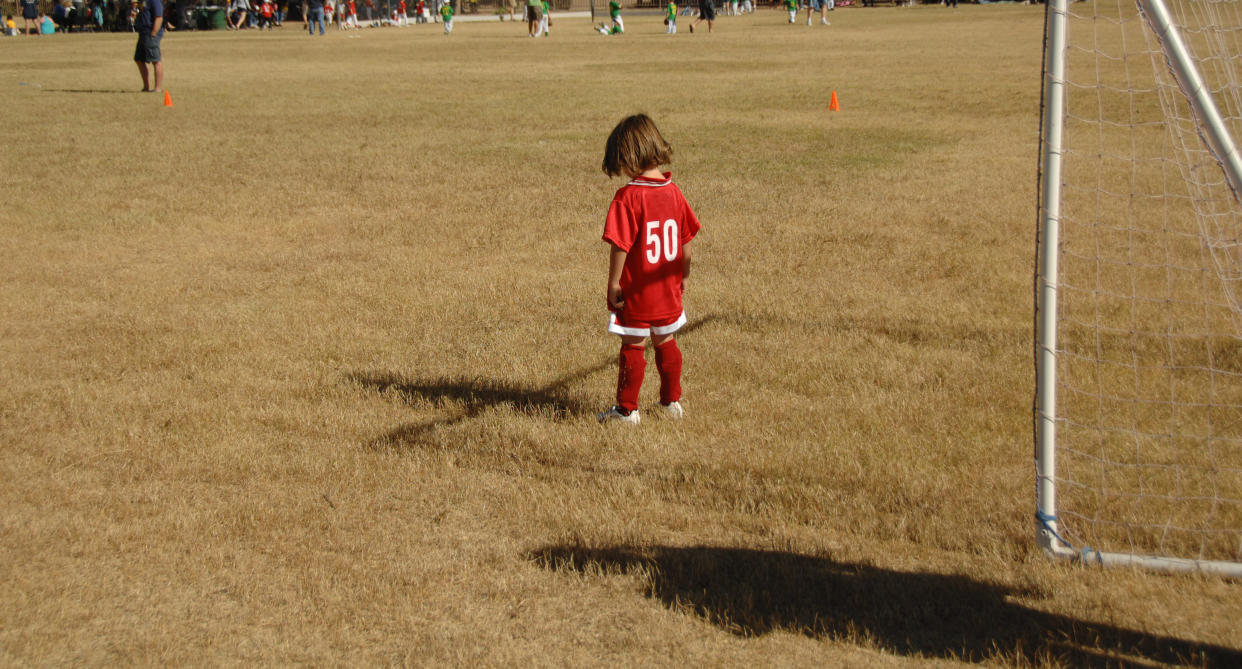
<point>833,105</point>
<point>168,99</point>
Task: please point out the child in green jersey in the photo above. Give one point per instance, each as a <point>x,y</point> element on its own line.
<point>792,7</point>
<point>545,21</point>
<point>446,15</point>
<point>614,12</point>
<point>670,18</point>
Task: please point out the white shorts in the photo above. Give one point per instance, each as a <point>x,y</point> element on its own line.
<point>643,329</point>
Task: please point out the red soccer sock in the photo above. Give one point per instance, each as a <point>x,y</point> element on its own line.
<point>630,376</point>
<point>668,361</point>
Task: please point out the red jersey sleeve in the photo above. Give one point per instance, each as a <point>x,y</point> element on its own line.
<point>620,227</point>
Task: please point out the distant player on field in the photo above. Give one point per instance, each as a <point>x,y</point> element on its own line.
<point>446,16</point>
<point>648,228</point>
<point>670,18</point>
<point>614,13</point>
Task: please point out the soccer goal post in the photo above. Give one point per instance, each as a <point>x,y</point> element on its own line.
<point>1138,314</point>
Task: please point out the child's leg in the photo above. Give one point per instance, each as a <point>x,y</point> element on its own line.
<point>632,365</point>
<point>668,362</point>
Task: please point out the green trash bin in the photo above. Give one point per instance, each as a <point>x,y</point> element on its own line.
<point>217,18</point>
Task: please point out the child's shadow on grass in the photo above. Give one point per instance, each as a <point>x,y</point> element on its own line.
<point>754,592</point>
<point>555,399</point>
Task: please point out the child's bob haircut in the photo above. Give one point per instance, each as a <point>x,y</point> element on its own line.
<point>635,146</point>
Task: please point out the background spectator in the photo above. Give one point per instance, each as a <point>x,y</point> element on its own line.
<point>30,15</point>
<point>237,14</point>
<point>314,15</point>
<point>150,27</point>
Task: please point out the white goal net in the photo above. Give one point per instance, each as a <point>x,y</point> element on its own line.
<point>1139,314</point>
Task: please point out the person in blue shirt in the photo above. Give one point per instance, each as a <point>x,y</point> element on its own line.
<point>314,16</point>
<point>150,28</point>
<point>30,14</point>
<point>60,16</point>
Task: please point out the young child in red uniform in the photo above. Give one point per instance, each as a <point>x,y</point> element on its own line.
<point>266,10</point>
<point>648,227</point>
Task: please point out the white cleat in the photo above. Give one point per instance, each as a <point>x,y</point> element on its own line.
<point>671,411</point>
<point>614,415</point>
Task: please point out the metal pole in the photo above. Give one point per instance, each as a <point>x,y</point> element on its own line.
<point>1046,314</point>
<point>1048,533</point>
<point>1178,56</point>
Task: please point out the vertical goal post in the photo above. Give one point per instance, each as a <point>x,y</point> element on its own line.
<point>1138,313</point>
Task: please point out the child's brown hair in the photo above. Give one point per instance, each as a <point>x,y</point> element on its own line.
<point>635,146</point>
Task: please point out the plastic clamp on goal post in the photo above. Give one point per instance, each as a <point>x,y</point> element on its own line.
<point>1084,555</point>
<point>1046,520</point>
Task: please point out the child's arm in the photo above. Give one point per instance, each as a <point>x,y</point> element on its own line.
<point>616,263</point>
<point>685,262</point>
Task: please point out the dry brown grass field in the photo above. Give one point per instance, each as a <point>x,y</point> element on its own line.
<point>303,370</point>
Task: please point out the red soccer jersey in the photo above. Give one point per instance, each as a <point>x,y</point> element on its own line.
<point>651,221</point>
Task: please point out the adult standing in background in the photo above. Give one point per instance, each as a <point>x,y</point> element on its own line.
<point>534,12</point>
<point>822,6</point>
<point>150,27</point>
<point>314,14</point>
<point>30,12</point>
<point>707,12</point>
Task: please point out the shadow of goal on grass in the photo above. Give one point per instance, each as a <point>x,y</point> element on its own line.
<point>94,91</point>
<point>476,395</point>
<point>754,592</point>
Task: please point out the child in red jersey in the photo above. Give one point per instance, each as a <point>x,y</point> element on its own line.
<point>648,227</point>
<point>266,11</point>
